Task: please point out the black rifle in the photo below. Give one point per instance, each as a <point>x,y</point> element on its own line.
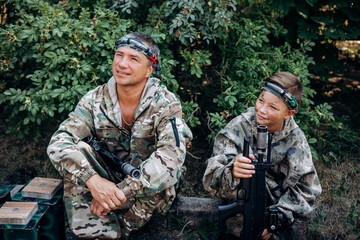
<point>111,159</point>
<point>251,196</point>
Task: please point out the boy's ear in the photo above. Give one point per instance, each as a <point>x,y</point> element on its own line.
<point>289,114</point>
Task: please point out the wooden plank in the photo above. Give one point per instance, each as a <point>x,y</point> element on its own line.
<point>17,213</point>
<point>44,188</point>
<point>15,190</point>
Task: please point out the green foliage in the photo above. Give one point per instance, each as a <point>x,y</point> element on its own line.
<point>255,60</point>
<point>336,19</point>
<point>197,59</point>
<point>194,20</point>
<point>190,109</point>
<point>336,141</point>
<point>214,56</point>
<point>54,58</point>
<point>323,22</point>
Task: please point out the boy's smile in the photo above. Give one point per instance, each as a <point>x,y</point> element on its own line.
<point>271,111</point>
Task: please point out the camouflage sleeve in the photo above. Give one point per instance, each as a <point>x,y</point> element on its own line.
<point>302,184</point>
<point>163,168</point>
<point>63,150</point>
<point>218,179</point>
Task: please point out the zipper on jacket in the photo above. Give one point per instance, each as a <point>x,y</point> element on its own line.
<point>121,130</point>
<point>130,130</point>
<point>176,134</point>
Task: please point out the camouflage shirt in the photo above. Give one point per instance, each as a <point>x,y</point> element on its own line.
<point>156,142</point>
<point>292,183</point>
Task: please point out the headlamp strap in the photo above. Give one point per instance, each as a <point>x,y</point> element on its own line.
<point>281,93</point>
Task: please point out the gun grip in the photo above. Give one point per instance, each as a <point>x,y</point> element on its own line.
<point>226,211</point>
<point>246,147</point>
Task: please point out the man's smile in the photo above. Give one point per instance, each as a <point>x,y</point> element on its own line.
<point>122,73</point>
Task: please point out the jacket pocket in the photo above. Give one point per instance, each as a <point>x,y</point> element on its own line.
<point>115,140</point>
<point>143,141</point>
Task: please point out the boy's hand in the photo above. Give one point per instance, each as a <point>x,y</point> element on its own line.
<point>242,167</point>
<point>266,235</point>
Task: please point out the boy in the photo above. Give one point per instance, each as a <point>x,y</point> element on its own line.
<point>292,184</point>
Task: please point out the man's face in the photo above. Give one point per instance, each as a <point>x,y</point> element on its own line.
<point>130,67</point>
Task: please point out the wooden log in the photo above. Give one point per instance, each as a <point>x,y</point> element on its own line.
<point>44,188</point>
<point>17,213</point>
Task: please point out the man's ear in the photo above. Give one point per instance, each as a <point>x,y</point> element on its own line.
<point>289,114</point>
<point>149,70</point>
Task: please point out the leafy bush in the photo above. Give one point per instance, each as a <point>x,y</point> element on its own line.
<point>323,22</point>
<point>53,58</point>
<point>214,56</point>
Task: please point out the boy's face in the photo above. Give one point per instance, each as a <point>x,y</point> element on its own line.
<point>271,111</point>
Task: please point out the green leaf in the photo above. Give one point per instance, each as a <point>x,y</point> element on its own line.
<point>50,54</point>
<point>57,32</point>
<point>26,121</point>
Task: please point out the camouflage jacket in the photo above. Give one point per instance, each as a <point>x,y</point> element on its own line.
<point>156,142</point>
<point>292,183</point>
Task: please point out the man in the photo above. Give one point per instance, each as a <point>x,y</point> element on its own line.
<point>138,120</point>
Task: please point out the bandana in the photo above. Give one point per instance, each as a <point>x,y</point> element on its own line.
<point>281,93</point>
<point>140,47</point>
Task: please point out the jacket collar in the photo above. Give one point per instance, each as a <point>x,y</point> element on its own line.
<point>110,101</point>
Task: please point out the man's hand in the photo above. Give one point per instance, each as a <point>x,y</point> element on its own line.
<point>106,195</point>
<point>242,167</point>
<point>97,209</point>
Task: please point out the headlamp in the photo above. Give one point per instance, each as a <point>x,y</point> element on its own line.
<point>281,93</point>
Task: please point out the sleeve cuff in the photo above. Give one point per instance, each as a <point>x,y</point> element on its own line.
<point>129,186</point>
<point>85,175</point>
<point>228,178</point>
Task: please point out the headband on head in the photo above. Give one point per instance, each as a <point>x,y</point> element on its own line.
<point>281,93</point>
<point>140,47</point>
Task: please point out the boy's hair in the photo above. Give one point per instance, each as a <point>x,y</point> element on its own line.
<point>288,82</point>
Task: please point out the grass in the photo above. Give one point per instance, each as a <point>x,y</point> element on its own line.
<point>338,212</point>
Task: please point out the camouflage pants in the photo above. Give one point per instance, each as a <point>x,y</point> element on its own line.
<point>134,214</point>
<point>298,230</point>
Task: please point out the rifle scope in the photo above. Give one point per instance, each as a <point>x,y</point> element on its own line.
<point>112,159</point>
